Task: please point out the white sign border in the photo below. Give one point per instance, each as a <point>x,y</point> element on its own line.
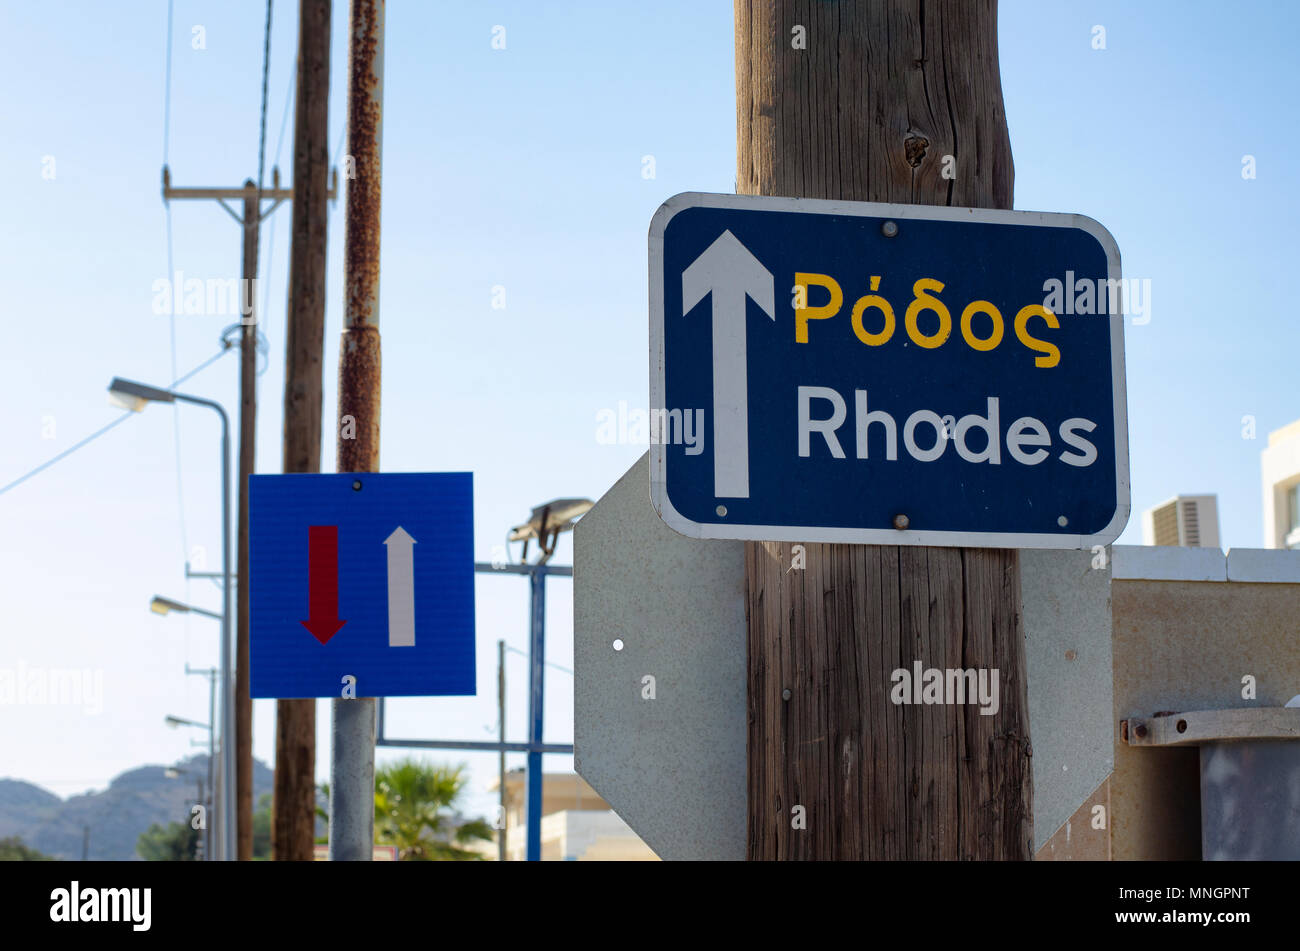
<point>875,536</point>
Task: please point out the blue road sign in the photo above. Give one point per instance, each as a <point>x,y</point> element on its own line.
<point>362,575</point>
<point>886,374</point>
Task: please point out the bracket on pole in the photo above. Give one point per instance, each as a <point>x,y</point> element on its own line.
<point>1212,726</point>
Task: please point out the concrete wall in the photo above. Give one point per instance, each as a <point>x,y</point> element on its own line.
<point>1182,645</point>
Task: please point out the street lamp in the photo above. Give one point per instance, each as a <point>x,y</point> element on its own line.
<point>161,605</point>
<point>546,523</point>
<point>211,674</point>
<point>171,772</point>
<point>135,397</point>
<point>174,722</point>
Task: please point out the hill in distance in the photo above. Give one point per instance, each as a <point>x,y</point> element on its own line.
<point>116,816</point>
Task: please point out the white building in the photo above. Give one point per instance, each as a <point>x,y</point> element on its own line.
<point>1280,463</point>
<point>577,824</point>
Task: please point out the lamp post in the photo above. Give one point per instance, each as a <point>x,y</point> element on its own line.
<point>181,721</point>
<point>545,525</point>
<point>164,606</point>
<point>174,722</point>
<point>211,674</point>
<point>135,397</point>
<point>161,605</point>
<point>172,772</point>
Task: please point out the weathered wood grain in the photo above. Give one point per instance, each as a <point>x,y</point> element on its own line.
<point>867,111</point>
<point>293,827</point>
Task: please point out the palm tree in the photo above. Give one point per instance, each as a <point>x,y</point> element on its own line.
<point>415,810</point>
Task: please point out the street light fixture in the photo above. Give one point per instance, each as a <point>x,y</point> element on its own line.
<point>135,397</point>
<point>546,524</point>
<point>205,843</point>
<point>174,722</point>
<point>161,605</point>
<point>211,673</point>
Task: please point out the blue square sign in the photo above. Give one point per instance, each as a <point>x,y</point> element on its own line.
<point>886,374</point>
<point>363,575</point>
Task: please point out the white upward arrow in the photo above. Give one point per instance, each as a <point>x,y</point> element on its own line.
<point>730,273</point>
<point>401,589</point>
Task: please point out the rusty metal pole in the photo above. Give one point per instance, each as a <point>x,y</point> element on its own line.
<point>293,824</point>
<point>247,450</point>
<point>352,747</point>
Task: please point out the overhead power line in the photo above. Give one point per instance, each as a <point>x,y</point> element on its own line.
<point>99,432</point>
<point>167,86</point>
<point>171,271</point>
<point>261,139</point>
<point>289,96</point>
<point>516,650</point>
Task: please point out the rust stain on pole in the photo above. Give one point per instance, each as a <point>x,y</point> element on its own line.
<point>359,378</point>
<point>352,721</point>
<point>365,148</point>
<point>359,363</point>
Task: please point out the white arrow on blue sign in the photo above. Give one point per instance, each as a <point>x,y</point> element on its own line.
<point>886,374</point>
<point>729,274</point>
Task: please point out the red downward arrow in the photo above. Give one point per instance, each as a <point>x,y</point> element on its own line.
<point>323,582</point>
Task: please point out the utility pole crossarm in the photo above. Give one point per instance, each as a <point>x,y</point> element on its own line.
<point>220,193</point>
<point>274,193</point>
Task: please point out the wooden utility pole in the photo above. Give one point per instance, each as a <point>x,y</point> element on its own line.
<point>863,101</point>
<point>247,455</point>
<point>245,300</point>
<point>251,222</point>
<point>294,810</point>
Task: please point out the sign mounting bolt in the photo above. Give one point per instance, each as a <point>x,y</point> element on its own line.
<point>901,522</point>
<point>889,229</point>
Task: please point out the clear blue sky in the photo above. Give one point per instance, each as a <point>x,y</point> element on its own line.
<point>523,168</point>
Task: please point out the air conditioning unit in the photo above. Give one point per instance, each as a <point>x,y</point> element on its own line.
<point>1191,521</point>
